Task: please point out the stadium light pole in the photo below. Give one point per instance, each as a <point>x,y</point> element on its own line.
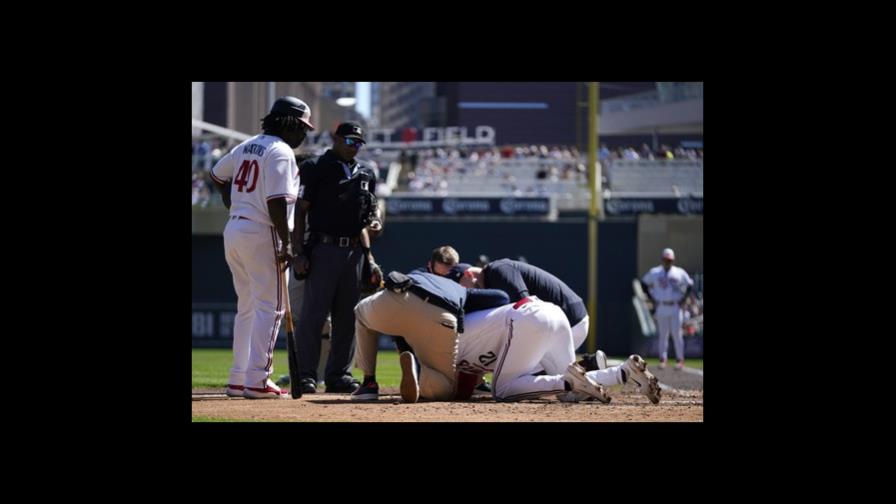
<point>593,212</point>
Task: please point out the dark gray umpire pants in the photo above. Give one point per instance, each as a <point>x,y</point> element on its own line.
<point>332,286</point>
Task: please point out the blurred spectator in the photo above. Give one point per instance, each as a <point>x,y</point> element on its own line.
<point>604,155</point>
<point>203,154</point>
<point>666,152</point>
<point>201,192</point>
<point>646,153</point>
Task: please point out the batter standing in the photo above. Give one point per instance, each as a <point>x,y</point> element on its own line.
<point>259,182</point>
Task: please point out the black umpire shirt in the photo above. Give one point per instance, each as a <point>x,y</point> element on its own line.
<point>519,280</point>
<point>320,179</point>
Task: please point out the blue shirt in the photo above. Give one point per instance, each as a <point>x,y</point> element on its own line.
<point>455,294</point>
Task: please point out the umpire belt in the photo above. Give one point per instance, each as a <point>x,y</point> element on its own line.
<point>669,302</point>
<point>339,241</point>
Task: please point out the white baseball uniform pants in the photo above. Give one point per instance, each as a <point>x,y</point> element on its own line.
<point>670,324</point>
<point>580,332</point>
<point>250,250</point>
<point>538,336</point>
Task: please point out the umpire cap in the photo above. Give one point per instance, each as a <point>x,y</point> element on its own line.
<point>350,130</point>
<point>292,106</point>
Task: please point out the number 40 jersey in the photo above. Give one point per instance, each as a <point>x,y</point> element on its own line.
<point>261,168</point>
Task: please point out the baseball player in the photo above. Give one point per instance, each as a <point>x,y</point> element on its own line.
<point>515,340</point>
<point>664,284</point>
<point>263,180</point>
<point>518,280</point>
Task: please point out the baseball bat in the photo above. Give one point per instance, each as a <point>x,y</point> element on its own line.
<point>291,346</point>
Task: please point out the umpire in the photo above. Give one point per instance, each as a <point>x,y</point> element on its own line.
<point>333,191</point>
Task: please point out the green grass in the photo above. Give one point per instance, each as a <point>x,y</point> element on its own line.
<point>653,362</point>
<point>211,367</point>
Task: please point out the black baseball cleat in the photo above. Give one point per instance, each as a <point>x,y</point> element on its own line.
<point>593,362</point>
<point>367,392</point>
<point>308,386</point>
<point>346,385</point>
<point>484,387</point>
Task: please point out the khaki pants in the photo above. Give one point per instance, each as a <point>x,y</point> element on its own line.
<point>430,330</point>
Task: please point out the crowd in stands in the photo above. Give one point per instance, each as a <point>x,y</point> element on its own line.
<point>205,153</point>
<point>645,152</point>
<point>438,171</point>
<point>430,170</point>
<point>441,170</point>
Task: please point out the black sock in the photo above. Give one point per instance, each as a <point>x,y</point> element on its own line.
<point>566,386</point>
<point>369,379</point>
<point>589,362</point>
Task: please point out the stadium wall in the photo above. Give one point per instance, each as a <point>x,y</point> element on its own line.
<point>559,247</point>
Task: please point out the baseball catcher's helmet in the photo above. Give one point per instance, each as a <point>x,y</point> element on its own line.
<point>290,105</point>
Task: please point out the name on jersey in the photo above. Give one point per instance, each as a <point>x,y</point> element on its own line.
<point>484,365</point>
<point>256,149</point>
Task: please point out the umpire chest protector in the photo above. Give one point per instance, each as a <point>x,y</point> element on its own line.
<point>357,194</point>
<point>341,196</point>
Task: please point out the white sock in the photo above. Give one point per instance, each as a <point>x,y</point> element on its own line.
<point>606,377</point>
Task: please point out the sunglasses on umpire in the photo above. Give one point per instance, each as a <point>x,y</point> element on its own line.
<point>351,142</point>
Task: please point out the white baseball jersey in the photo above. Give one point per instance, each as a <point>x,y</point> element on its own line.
<point>487,333</point>
<point>262,168</point>
<point>484,333</point>
<point>667,288</point>
<point>514,341</point>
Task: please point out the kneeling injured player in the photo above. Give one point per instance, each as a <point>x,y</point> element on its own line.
<point>516,341</point>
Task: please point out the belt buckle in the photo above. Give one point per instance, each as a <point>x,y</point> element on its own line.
<point>344,243</point>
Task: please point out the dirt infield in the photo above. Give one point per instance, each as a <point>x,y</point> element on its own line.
<point>677,405</point>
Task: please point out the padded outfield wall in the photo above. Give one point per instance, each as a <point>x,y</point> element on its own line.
<point>559,247</point>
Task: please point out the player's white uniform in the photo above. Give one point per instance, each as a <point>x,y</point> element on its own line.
<point>261,168</point>
<point>580,332</point>
<point>513,341</point>
<point>667,289</point>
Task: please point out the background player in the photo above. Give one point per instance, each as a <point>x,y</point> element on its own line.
<point>663,284</point>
